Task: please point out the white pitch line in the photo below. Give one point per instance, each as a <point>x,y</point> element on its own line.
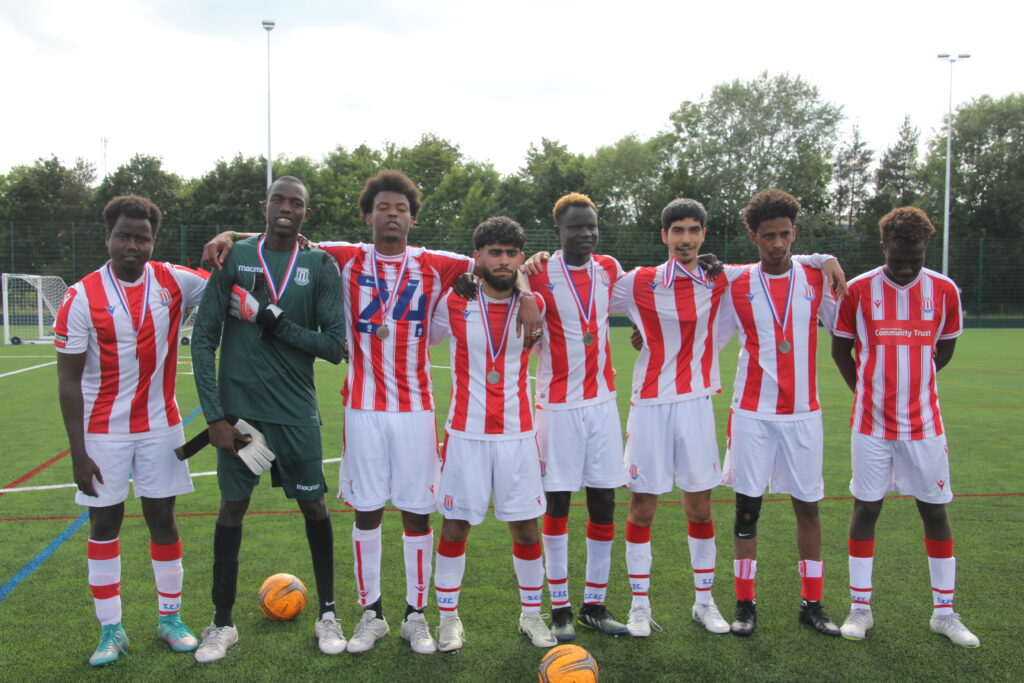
<point>20,357</point>
<point>51,487</point>
<point>34,367</point>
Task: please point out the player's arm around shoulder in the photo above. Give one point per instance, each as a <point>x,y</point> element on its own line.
<point>329,341</point>
<point>440,321</point>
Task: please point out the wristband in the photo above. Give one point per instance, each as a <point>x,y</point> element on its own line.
<point>234,236</point>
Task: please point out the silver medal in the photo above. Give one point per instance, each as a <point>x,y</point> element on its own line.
<point>588,339</point>
<point>382,332</point>
<point>785,346</point>
<point>493,377</point>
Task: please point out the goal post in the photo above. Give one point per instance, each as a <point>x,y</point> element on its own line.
<point>30,304</point>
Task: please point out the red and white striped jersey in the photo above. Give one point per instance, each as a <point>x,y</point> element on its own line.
<point>129,333</point>
<point>392,373</point>
<point>572,373</point>
<point>777,378</point>
<point>895,330</point>
<point>480,409</point>
<point>680,321</point>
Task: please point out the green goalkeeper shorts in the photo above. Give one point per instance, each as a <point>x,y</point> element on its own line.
<point>298,465</point>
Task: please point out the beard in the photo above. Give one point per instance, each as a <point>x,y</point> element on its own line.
<point>499,281</point>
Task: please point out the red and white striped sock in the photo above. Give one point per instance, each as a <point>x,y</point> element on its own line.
<point>530,573</point>
<point>638,563</point>
<point>812,579</point>
<point>862,563</point>
<point>555,537</point>
<point>168,574</point>
<point>744,573</point>
<point>599,561</point>
<point>105,580</point>
<point>942,568</point>
<point>703,554</point>
<point>416,549</point>
<point>451,567</point>
<point>366,547</point>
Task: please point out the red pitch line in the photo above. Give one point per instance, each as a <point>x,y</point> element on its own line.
<point>25,477</point>
<point>348,510</point>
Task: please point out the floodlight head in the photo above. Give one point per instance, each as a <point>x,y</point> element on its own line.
<point>269,24</point>
<point>963,55</point>
<point>943,55</point>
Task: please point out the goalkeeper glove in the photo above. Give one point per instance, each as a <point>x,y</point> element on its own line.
<point>255,306</point>
<point>256,455</point>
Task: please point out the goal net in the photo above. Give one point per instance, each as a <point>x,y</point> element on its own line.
<point>30,307</point>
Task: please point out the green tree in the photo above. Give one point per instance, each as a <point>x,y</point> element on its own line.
<point>336,195</point>
<point>988,169</point>
<point>749,136</point>
<point>144,175</point>
<point>48,191</point>
<point>228,197</point>
<point>427,162</point>
<point>897,178</point>
<point>550,171</point>
<point>852,166</point>
<point>465,197</point>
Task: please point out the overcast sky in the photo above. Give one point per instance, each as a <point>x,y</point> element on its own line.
<point>186,80</point>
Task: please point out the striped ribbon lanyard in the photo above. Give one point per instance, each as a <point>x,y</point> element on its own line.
<point>385,310</point>
<point>275,294</point>
<point>493,376</point>
<point>784,346</point>
<point>586,312</point>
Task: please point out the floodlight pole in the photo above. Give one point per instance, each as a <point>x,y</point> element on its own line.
<point>268,26</point>
<point>949,158</point>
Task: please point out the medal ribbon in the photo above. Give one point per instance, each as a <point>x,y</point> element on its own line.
<point>275,295</point>
<point>585,311</point>
<point>771,302</point>
<point>493,351</point>
<point>669,276</point>
<point>385,311</point>
<point>700,278</point>
<point>123,298</point>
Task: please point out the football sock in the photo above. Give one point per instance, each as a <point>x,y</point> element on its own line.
<point>942,567</point>
<point>226,542</point>
<point>451,567</point>
<point>812,578</point>
<point>599,561</point>
<point>862,560</point>
<point>105,580</point>
<point>168,574</point>
<point>377,608</point>
<point>320,536</point>
<point>638,563</point>
<point>530,573</point>
<point>555,537</point>
<point>744,573</point>
<point>703,553</point>
<point>366,547</point>
<point>417,549</point>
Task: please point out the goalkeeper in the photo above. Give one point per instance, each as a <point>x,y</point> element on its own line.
<point>272,309</point>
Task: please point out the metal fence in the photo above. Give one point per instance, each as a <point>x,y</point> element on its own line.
<point>989,271</point>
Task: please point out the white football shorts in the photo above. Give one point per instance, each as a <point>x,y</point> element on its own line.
<point>580,447</point>
<point>785,454</point>
<point>917,468</point>
<point>474,469</point>
<point>150,463</point>
<point>667,441</point>
<point>392,456</point>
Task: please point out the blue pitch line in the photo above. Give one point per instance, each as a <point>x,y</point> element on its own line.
<point>38,560</point>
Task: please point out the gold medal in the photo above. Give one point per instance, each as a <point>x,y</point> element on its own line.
<point>785,346</point>
<point>382,332</point>
<point>588,339</point>
<point>493,377</point>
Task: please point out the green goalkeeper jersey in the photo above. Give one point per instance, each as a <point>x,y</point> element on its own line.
<point>268,378</point>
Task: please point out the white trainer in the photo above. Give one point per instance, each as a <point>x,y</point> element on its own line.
<point>857,624</point>
<point>329,636</point>
<point>450,633</point>
<point>368,631</point>
<point>640,622</point>
<point>949,625</point>
<point>532,624</point>
<point>215,642</point>
<point>416,631</point>
<point>709,615</point>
